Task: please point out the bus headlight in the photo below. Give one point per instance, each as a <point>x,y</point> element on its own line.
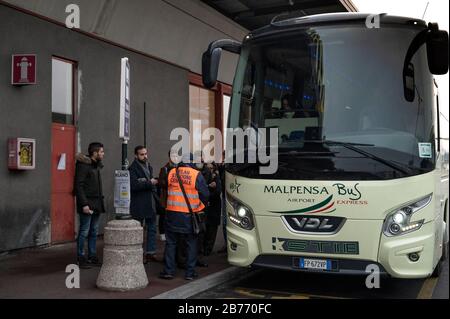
<point>241,215</point>
<point>399,222</point>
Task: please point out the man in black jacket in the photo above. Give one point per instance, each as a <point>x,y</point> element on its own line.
<point>213,211</point>
<point>143,198</point>
<point>89,197</point>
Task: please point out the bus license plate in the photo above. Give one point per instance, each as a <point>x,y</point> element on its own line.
<point>306,263</point>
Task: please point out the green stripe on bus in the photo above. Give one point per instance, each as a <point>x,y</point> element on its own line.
<point>305,210</point>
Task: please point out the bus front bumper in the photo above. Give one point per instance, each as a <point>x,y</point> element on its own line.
<point>393,255</point>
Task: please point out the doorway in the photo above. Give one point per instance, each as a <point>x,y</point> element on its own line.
<point>63,151</point>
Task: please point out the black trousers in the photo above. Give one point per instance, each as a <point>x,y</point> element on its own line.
<point>182,248</point>
<point>209,238</point>
<point>161,228</point>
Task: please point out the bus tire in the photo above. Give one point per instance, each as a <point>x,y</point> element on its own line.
<point>445,252</point>
<point>438,270</point>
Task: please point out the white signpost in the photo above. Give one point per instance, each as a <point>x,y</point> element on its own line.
<point>124,132</point>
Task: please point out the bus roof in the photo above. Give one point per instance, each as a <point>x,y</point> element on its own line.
<point>333,19</point>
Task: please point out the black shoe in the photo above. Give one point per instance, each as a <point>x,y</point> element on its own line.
<point>164,275</point>
<point>83,263</point>
<point>94,261</point>
<point>201,264</point>
<point>191,277</point>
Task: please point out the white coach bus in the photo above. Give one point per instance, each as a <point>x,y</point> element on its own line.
<point>362,174</point>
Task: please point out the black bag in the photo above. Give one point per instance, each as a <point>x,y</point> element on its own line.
<point>198,223</point>
<point>198,220</point>
<point>158,207</point>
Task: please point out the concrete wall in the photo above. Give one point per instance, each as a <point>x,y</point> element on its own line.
<point>26,112</point>
<point>178,31</point>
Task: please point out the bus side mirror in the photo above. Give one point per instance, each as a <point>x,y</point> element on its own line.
<point>437,52</point>
<point>211,59</point>
<point>210,67</point>
<point>437,49</point>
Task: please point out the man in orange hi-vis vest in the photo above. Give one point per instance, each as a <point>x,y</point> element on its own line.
<point>179,217</point>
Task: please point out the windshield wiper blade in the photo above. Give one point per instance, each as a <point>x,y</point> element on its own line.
<point>337,143</point>
<point>300,153</point>
<point>352,146</point>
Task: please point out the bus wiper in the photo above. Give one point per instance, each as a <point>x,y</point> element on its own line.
<point>337,143</point>
<point>299,153</point>
<point>353,147</point>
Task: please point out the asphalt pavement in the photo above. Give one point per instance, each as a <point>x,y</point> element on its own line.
<point>276,284</point>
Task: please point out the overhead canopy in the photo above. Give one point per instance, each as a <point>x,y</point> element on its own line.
<point>253,14</point>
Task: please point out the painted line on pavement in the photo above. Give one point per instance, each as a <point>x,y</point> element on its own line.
<point>200,285</point>
<point>271,294</point>
<point>428,288</point>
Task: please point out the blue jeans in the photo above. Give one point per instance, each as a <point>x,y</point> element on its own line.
<point>88,229</point>
<point>150,248</point>
<point>170,263</point>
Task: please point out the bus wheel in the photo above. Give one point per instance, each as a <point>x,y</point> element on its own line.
<point>445,252</point>
<point>438,270</point>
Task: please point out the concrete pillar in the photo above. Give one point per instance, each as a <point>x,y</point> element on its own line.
<point>123,267</point>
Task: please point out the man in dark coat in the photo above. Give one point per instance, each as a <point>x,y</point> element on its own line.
<point>143,197</point>
<point>221,169</point>
<point>89,197</point>
<point>213,211</point>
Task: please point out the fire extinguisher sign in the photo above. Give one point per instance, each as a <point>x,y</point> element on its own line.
<point>23,69</point>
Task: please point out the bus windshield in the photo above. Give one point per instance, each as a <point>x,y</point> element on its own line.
<point>328,88</point>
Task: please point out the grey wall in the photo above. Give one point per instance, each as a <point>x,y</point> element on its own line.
<point>26,112</point>
<point>177,31</point>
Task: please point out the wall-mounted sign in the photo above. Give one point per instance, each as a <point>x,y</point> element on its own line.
<point>124,132</point>
<point>21,154</point>
<point>23,69</point>
<point>62,162</point>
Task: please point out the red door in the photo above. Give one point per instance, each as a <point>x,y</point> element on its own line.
<point>63,171</point>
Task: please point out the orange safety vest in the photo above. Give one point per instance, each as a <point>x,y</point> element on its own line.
<point>175,198</point>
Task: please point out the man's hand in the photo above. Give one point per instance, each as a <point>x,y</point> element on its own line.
<point>213,185</point>
<point>87,210</point>
<point>154,181</point>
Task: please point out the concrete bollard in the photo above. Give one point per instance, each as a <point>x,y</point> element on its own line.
<point>123,267</point>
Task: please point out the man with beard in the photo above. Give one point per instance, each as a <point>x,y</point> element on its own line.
<point>89,197</point>
<point>143,197</point>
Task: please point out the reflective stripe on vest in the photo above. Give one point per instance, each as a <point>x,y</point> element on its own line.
<point>175,198</point>
<point>183,204</point>
<point>194,196</point>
